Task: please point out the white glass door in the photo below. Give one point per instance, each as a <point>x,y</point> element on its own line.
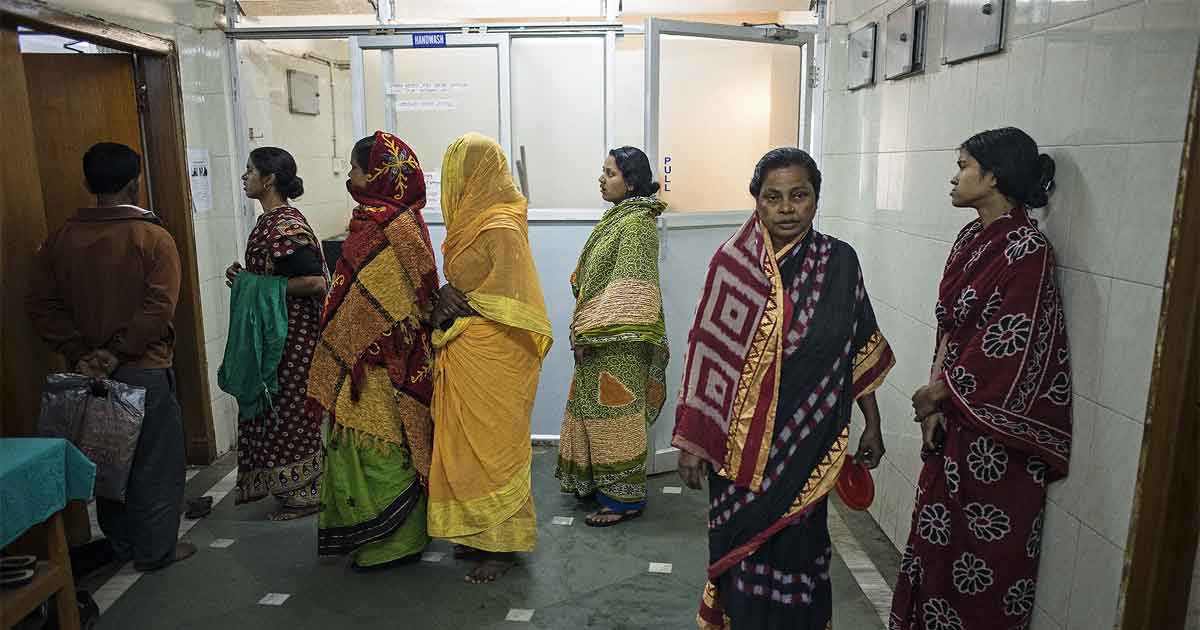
<point>717,98</point>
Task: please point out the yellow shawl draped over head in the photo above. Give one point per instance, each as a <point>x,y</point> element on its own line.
<point>487,254</point>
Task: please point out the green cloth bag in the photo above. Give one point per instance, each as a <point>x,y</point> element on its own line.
<point>258,326</point>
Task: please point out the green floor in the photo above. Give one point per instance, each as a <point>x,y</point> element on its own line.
<point>580,577</point>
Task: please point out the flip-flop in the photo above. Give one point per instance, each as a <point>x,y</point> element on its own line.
<point>199,507</point>
<point>15,579</point>
<point>624,516</point>
<point>17,563</point>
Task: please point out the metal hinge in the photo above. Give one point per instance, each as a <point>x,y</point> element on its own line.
<point>814,76</point>
<point>141,94</point>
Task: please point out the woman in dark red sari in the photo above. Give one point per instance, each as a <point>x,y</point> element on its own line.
<point>280,452</point>
<point>996,416</point>
<point>784,344</point>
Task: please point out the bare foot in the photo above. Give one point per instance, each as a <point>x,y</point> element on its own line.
<point>291,513</point>
<point>492,566</point>
<point>606,517</point>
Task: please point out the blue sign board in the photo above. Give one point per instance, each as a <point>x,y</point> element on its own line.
<point>429,40</point>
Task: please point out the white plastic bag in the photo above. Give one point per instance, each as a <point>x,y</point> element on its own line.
<point>102,418</point>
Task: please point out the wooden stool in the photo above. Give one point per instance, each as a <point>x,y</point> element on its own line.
<point>53,579</point>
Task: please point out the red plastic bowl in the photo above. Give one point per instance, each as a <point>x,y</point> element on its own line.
<point>855,485</point>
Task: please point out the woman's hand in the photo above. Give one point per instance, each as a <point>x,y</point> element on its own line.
<point>453,303</point>
<point>870,448</point>
<point>581,353</point>
<point>232,272</point>
<point>929,432</point>
<point>927,399</point>
<point>692,469</point>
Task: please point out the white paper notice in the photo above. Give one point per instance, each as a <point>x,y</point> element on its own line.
<point>221,543</point>
<point>672,490</point>
<point>433,190</point>
<point>273,599</point>
<point>432,556</point>
<point>425,105</point>
<point>198,167</point>
<point>660,567</point>
<point>564,520</point>
<point>426,87</point>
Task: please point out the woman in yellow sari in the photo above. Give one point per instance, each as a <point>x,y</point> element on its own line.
<point>492,336</point>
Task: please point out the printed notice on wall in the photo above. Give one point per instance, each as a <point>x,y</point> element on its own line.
<point>433,190</point>
<point>427,87</point>
<point>425,105</point>
<point>198,167</point>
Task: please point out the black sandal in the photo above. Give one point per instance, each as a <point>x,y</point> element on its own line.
<point>199,507</point>
<point>15,578</point>
<point>622,517</point>
<point>17,563</point>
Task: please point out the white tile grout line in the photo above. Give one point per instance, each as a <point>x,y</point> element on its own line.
<point>117,585</point>
<point>861,567</point>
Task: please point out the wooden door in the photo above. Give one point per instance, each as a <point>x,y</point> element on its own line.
<point>25,359</point>
<point>75,102</point>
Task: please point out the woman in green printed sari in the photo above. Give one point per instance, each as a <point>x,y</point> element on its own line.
<point>620,344</point>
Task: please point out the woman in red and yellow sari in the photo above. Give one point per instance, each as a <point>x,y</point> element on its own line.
<point>784,343</point>
<point>371,375</point>
<point>996,416</point>
<point>493,334</point>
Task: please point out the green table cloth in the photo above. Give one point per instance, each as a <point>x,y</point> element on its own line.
<point>37,478</point>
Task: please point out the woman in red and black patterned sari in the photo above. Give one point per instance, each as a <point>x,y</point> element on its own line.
<point>996,415</point>
<point>280,452</point>
<point>784,343</point>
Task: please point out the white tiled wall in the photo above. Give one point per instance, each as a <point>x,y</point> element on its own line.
<point>310,139</point>
<point>1103,86</point>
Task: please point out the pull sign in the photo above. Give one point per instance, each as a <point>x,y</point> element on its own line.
<point>429,40</point>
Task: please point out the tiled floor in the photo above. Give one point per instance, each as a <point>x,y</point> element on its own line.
<point>580,577</point>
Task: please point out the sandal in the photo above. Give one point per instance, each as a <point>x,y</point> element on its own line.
<point>17,563</point>
<point>621,517</point>
<point>199,507</point>
<point>15,578</point>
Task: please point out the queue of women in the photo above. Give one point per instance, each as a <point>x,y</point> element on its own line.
<point>382,415</point>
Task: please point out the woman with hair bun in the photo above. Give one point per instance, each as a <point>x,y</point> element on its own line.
<point>996,414</point>
<point>619,339</point>
<point>279,442</point>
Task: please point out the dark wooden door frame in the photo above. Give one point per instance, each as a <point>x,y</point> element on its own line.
<point>166,160</point>
<point>1166,509</point>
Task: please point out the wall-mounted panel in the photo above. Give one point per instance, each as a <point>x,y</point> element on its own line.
<point>974,28</point>
<point>860,66</point>
<point>904,41</point>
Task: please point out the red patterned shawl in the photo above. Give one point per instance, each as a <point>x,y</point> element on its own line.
<point>1007,361</point>
<point>385,279</point>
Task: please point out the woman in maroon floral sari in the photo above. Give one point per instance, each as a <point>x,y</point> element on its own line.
<point>996,415</point>
<point>280,452</point>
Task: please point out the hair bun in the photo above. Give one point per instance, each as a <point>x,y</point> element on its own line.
<point>295,188</point>
<point>652,189</point>
<point>1040,196</point>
